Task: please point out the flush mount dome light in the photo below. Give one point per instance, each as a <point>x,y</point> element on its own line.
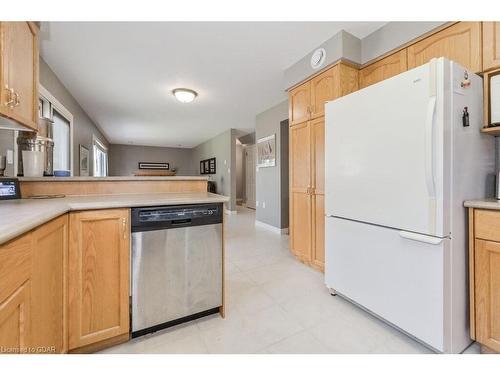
<point>184,95</point>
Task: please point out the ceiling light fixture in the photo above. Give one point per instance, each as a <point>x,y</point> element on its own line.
<point>185,95</point>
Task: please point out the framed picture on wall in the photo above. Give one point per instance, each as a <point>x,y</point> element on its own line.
<point>266,151</point>
<point>208,166</point>
<point>84,161</point>
<point>212,164</point>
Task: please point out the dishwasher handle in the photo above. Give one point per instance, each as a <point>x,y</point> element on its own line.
<point>181,222</point>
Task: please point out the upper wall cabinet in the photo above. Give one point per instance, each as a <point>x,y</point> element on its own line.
<point>460,42</point>
<point>19,72</point>
<point>299,103</point>
<point>307,101</point>
<point>322,90</point>
<point>491,45</point>
<point>383,69</point>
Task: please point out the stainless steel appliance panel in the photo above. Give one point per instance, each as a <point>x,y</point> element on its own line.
<point>175,273</point>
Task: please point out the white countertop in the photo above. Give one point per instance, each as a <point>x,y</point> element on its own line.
<point>486,203</point>
<point>21,215</point>
<point>115,178</point>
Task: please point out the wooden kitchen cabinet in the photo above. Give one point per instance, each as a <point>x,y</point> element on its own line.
<point>460,42</point>
<point>307,193</point>
<point>300,187</point>
<point>307,101</point>
<point>32,289</point>
<point>299,101</point>
<point>15,295</point>
<point>307,159</point>
<point>484,277</point>
<point>19,72</point>
<point>15,321</point>
<point>491,45</point>
<point>98,282</point>
<point>322,90</point>
<point>50,255</point>
<point>385,68</point>
<point>318,193</point>
<point>487,293</point>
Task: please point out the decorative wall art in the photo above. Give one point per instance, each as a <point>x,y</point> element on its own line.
<point>266,151</point>
<point>208,166</point>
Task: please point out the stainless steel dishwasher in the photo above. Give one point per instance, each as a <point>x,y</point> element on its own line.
<point>176,265</point>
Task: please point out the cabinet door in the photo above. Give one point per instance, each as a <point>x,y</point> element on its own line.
<point>322,90</point>
<point>491,45</point>
<point>98,276</point>
<point>318,197</point>
<point>387,67</point>
<point>48,296</point>
<point>20,68</point>
<point>487,293</point>
<point>299,100</point>
<point>300,188</point>
<point>15,321</point>
<point>460,42</point>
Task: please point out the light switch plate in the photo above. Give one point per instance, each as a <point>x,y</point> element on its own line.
<point>10,157</point>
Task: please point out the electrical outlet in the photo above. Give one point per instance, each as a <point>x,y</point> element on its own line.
<point>263,204</point>
<point>256,203</point>
<point>225,162</point>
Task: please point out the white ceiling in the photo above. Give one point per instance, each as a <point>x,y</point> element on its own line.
<point>122,73</point>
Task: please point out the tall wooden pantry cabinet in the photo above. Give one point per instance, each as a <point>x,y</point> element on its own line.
<point>307,158</point>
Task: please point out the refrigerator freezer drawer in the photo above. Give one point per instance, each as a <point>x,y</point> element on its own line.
<point>398,278</point>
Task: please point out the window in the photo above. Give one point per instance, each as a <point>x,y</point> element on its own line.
<point>50,107</point>
<point>62,142</point>
<point>100,158</point>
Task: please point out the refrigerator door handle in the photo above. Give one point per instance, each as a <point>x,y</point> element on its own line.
<point>420,237</point>
<point>429,147</point>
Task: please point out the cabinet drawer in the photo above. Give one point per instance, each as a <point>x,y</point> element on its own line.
<point>487,225</point>
<point>15,265</point>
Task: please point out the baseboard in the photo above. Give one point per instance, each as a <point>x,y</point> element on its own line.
<point>229,212</point>
<point>271,228</point>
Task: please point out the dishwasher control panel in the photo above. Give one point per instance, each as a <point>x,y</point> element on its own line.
<point>151,218</point>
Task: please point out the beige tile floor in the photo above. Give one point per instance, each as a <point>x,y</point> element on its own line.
<point>275,304</point>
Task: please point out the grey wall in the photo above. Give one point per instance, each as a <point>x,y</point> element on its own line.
<point>347,47</point>
<point>83,126</point>
<point>222,147</point>
<point>269,180</point>
<point>340,46</point>
<point>7,143</point>
<point>124,159</point>
<point>391,36</point>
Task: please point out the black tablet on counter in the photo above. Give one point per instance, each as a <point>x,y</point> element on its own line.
<point>9,188</point>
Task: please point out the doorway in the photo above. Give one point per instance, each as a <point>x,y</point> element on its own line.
<point>250,176</point>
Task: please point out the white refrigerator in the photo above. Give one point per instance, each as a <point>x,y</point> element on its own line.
<point>400,161</point>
